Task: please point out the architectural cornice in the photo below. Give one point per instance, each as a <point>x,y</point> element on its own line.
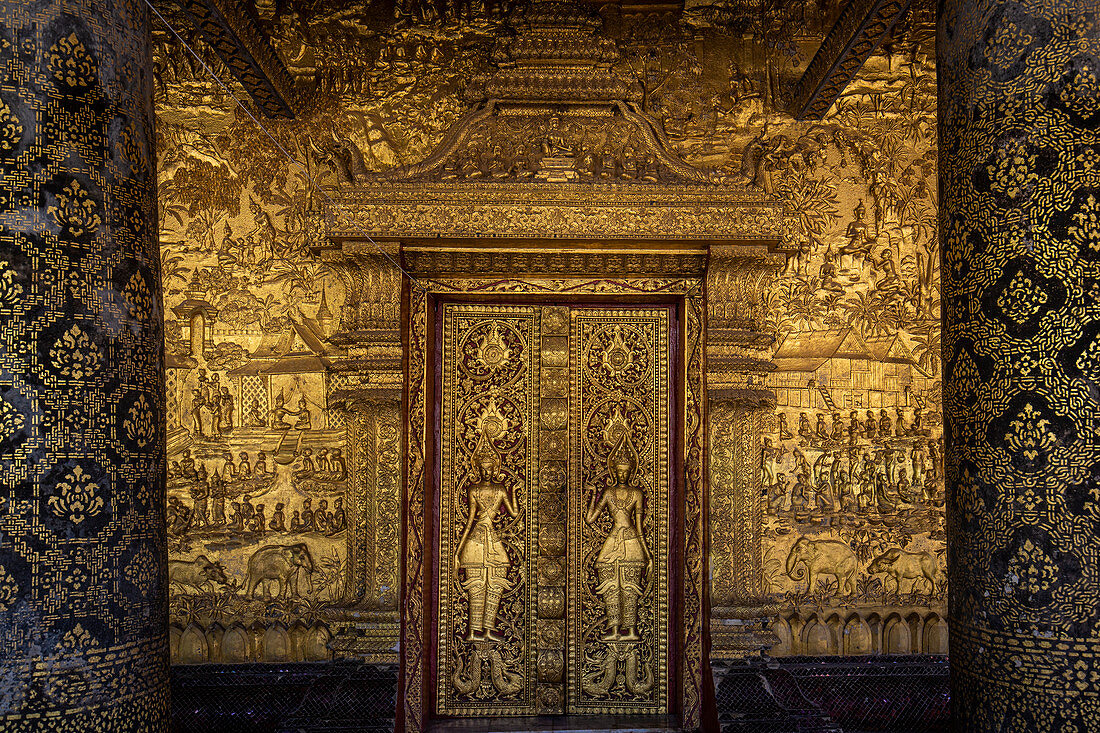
<point>562,212</point>
<point>246,51</point>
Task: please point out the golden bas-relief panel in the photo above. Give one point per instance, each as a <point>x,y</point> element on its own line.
<point>488,533</point>
<point>618,511</point>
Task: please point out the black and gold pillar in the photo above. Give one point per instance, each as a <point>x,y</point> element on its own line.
<point>83,627</point>
<point>1020,231</point>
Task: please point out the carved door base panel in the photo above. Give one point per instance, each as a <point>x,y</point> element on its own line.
<point>553,538</point>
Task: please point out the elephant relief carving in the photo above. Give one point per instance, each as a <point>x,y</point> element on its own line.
<point>282,564</point>
<point>900,564</point>
<point>810,558</point>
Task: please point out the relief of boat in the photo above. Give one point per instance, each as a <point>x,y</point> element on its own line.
<point>321,483</point>
<point>255,486</point>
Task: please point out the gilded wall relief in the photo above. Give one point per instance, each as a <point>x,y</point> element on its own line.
<point>618,518</point>
<point>857,321</point>
<point>238,223</point>
<point>852,464</point>
<point>258,473</point>
<point>488,527</point>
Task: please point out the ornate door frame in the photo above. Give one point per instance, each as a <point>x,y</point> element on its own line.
<point>415,688</point>
<point>465,219</point>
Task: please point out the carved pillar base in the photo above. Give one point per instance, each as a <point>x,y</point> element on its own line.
<point>745,633</point>
<point>369,638</point>
<point>739,611</point>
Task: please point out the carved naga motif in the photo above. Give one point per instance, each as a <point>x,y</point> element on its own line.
<point>342,156</point>
<point>638,678</point>
<point>468,681</point>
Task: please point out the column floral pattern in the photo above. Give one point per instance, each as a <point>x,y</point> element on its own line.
<point>1019,117</point>
<point>79,334</point>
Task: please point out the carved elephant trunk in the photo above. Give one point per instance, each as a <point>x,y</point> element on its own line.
<point>796,569</point>
<point>798,560</point>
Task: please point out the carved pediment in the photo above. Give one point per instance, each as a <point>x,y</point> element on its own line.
<point>553,110</point>
<point>555,149</point>
<point>560,143</point>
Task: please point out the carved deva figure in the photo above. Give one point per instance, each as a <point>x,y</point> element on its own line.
<point>480,552</point>
<point>624,555</point>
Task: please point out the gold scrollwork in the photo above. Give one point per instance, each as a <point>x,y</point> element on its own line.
<point>618,630</point>
<point>488,531</point>
<point>11,420</point>
<point>77,497</point>
<point>71,64</point>
<point>11,128</point>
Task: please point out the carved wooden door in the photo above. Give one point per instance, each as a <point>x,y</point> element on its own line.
<point>552,590</point>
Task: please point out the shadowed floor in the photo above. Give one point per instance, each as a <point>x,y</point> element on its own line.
<point>795,695</point>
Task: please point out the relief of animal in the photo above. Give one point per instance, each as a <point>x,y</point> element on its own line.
<point>199,574</point>
<point>809,558</point>
<point>343,156</point>
<point>898,564</point>
<point>282,564</point>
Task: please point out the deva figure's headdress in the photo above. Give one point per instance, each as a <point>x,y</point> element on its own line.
<point>623,455</point>
<point>485,450</point>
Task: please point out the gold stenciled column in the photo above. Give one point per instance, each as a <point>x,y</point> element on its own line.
<point>370,600</point>
<point>739,406</point>
<point>83,586</point>
<point>1020,232</point>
